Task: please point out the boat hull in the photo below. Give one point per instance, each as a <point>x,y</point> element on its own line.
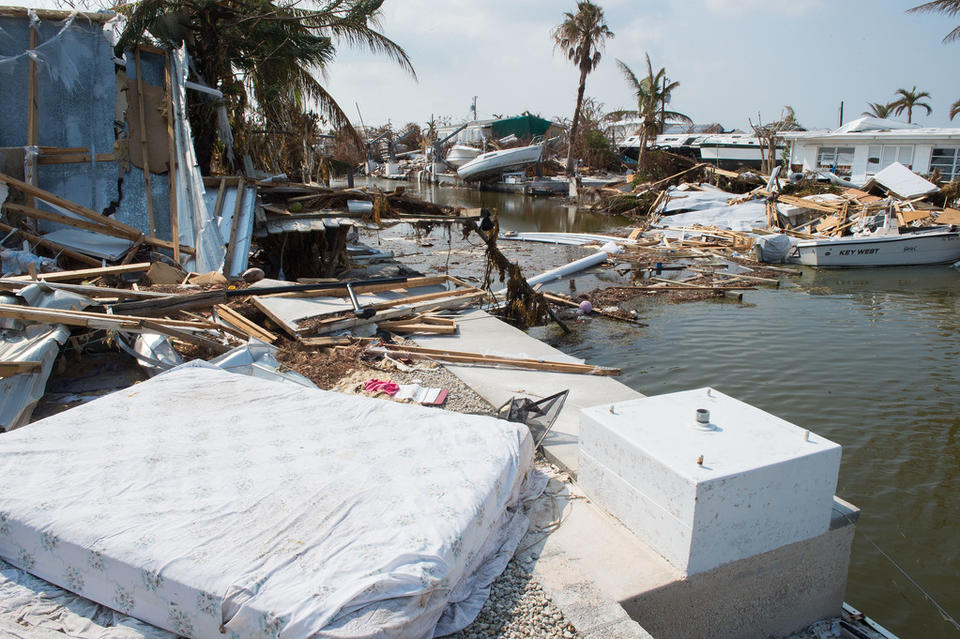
<point>938,247</point>
<point>492,164</point>
<point>460,154</point>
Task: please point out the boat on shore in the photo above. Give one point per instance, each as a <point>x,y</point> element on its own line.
<point>939,245</point>
<point>493,163</point>
<point>460,154</point>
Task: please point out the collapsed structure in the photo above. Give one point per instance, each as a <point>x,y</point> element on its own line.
<point>291,511</point>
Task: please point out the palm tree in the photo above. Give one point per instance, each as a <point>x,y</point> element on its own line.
<point>878,110</point>
<point>581,36</point>
<point>652,93</point>
<point>955,109</point>
<point>909,100</point>
<point>946,7</point>
<point>263,55</point>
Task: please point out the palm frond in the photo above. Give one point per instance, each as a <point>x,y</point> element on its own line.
<point>629,75</point>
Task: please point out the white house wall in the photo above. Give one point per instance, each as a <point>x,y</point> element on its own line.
<point>806,152</point>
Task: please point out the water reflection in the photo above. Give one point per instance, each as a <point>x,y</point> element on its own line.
<point>869,358</point>
<point>517,212</point>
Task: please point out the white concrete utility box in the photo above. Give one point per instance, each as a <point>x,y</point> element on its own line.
<point>704,494</point>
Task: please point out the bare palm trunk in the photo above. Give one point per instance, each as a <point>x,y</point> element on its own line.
<point>575,125</point>
<point>644,137</point>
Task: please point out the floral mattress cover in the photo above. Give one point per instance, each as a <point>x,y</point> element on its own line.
<point>212,504</point>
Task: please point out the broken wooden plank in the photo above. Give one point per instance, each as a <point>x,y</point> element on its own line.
<point>461,357</point>
<point>323,342</point>
<point>421,324</point>
<point>197,340</point>
<point>52,246</point>
<point>89,291</point>
<point>89,214</point>
<point>557,299</point>
<point>241,323</point>
<point>144,146</point>
<point>949,216</point>
<point>172,173</point>
<point>86,273</point>
<point>340,291</point>
<point>8,369</point>
<point>337,324</point>
<point>84,224</point>
<point>75,158</point>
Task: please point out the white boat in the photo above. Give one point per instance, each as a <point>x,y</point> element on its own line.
<point>937,246</point>
<point>460,154</point>
<point>724,150</point>
<point>494,162</point>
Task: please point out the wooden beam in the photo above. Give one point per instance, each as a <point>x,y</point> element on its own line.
<point>556,299</point>
<point>52,246</point>
<point>93,320</point>
<point>172,173</point>
<point>234,223</point>
<point>197,340</point>
<point>75,158</point>
<point>8,369</point>
<point>33,111</point>
<point>342,323</point>
<point>413,282</point>
<point>84,289</point>
<point>241,323</point>
<point>86,273</point>
<point>144,150</point>
<point>460,357</point>
<point>86,225</point>
<point>276,319</point>
<point>90,214</point>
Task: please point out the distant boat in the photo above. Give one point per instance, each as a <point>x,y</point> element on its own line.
<point>460,154</point>
<point>494,162</point>
<point>724,150</point>
<point>937,246</point>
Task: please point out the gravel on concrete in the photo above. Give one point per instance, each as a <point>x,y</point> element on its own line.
<point>517,607</point>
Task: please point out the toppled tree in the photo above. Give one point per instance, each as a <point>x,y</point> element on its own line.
<point>263,55</point>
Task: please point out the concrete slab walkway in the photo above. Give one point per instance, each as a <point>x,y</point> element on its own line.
<point>480,332</point>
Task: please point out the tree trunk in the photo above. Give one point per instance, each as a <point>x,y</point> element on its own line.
<point>642,152</point>
<point>575,125</point>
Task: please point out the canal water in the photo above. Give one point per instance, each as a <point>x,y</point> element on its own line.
<point>868,358</point>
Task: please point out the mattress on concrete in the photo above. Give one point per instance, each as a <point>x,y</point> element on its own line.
<point>208,503</point>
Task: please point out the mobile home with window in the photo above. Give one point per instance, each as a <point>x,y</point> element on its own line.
<point>860,149</point>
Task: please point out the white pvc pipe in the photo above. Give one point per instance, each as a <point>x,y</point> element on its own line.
<point>573,267</point>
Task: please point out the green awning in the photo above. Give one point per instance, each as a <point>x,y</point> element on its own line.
<point>524,126</point>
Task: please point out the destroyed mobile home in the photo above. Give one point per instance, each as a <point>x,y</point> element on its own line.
<point>290,510</point>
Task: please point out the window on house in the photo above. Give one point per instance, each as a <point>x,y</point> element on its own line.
<point>838,159</point>
<point>947,161</point>
<point>880,157</point>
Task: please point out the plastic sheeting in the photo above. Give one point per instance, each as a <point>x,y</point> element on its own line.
<point>259,509</point>
<point>774,248</point>
<point>742,217</point>
<point>32,342</point>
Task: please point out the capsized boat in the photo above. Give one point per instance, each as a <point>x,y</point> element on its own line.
<point>494,162</point>
<point>460,154</point>
<point>939,245</point>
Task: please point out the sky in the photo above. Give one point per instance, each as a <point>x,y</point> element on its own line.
<point>732,58</point>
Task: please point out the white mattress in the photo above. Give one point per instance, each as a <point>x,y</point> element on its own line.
<point>208,503</point>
